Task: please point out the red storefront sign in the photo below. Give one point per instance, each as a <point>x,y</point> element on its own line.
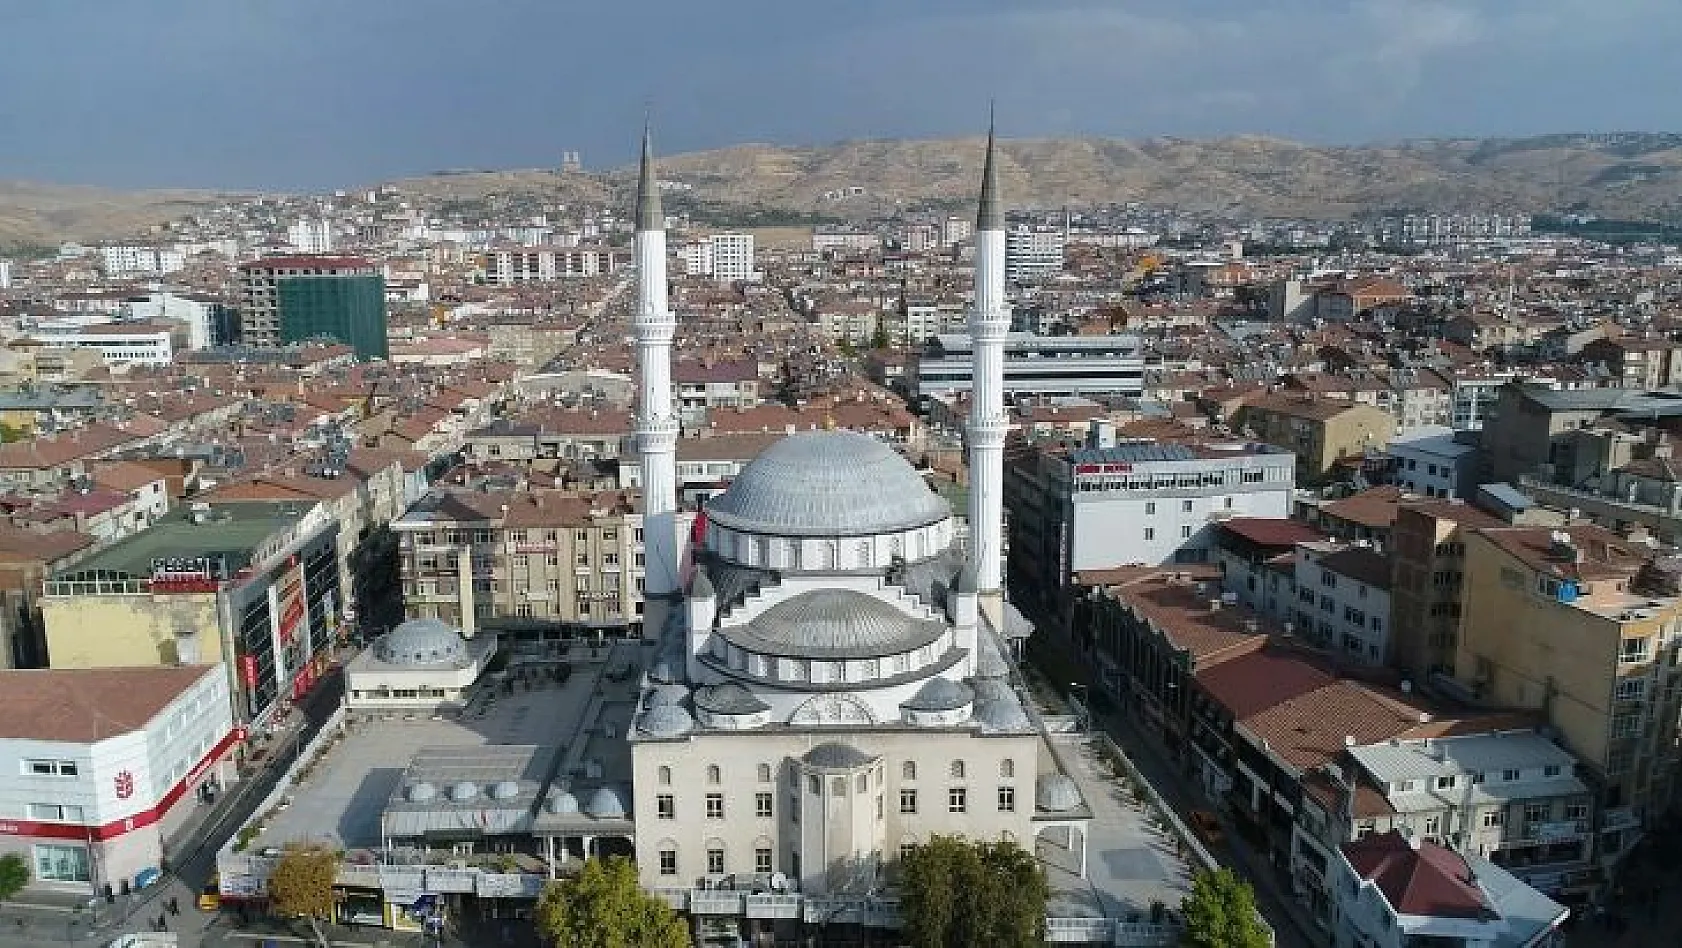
<point>1103,468</point>
<point>291,600</point>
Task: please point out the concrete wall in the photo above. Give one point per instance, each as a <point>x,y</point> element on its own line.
<point>114,630</point>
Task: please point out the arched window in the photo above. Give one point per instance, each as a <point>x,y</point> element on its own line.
<point>1007,768</point>
<point>908,770</point>
<point>713,775</point>
<point>764,773</point>
<point>664,775</point>
<point>957,770</point>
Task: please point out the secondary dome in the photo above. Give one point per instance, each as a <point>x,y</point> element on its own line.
<point>605,804</point>
<point>827,483</point>
<point>422,642</point>
<point>833,623</point>
<point>1058,793</point>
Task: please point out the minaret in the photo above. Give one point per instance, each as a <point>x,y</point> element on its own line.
<point>657,426</point>
<point>989,321</point>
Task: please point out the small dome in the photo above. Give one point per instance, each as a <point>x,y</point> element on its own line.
<point>729,698</point>
<point>836,756</point>
<point>939,694</point>
<point>998,714</point>
<point>505,790</point>
<point>422,642</point>
<point>421,793</point>
<point>606,804</point>
<point>827,483</point>
<point>1057,793</point>
<point>464,791</point>
<point>665,720</point>
<point>562,803</point>
<point>667,695</point>
<point>834,623</point>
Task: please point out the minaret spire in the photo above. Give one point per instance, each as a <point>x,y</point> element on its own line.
<point>649,214</point>
<point>987,216</point>
<point>657,426</point>
<point>989,323</point>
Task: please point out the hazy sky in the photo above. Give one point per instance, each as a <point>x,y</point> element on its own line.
<point>316,94</point>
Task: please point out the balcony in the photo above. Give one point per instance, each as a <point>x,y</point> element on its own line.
<point>772,906</point>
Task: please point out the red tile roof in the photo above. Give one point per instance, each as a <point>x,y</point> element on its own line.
<point>1264,531</point>
<point>82,705</point>
<point>1429,881</point>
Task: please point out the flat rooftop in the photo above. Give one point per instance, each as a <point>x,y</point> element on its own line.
<point>232,532</point>
<point>561,727</point>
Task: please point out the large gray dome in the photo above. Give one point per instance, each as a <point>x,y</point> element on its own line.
<point>827,483</point>
<point>834,623</point>
<point>422,642</point>
<point>605,804</point>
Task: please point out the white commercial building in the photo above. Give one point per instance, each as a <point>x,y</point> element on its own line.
<point>5,274</point>
<point>99,766</point>
<point>697,258</point>
<point>1155,503</point>
<point>1032,254</point>
<point>507,266</point>
<point>1038,365</point>
<point>135,259</point>
<point>732,258</point>
<point>116,343</point>
<point>208,321</point>
<point>1343,600</point>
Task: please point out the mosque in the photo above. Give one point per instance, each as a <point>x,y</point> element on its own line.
<point>832,683</point>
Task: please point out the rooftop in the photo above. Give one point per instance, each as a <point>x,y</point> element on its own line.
<point>234,532</point>
<point>84,705</point>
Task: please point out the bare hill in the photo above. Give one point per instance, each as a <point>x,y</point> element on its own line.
<point>49,213</point>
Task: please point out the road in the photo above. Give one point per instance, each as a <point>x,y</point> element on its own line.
<point>39,918</point>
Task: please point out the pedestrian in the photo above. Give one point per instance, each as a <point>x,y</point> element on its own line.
<point>174,905</point>
<point>163,923</point>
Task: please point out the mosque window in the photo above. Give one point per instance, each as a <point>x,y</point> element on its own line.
<point>713,774</point>
<point>1007,768</point>
<point>908,770</point>
<point>957,770</point>
<point>764,773</point>
<point>864,553</point>
<point>665,776</point>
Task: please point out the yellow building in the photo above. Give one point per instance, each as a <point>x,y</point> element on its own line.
<point>1582,625</point>
<point>1319,431</point>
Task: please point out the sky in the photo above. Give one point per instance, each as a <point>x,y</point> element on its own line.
<point>323,94</point>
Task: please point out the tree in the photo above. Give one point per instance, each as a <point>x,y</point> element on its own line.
<point>880,338</point>
<point>301,885</point>
<point>603,907</point>
<point>14,875</point>
<point>954,893</point>
<point>1221,913</point>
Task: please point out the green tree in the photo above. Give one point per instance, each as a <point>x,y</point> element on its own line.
<point>603,907</point>
<point>301,885</point>
<point>954,893</point>
<point>880,339</point>
<point>14,875</point>
<point>1221,913</point>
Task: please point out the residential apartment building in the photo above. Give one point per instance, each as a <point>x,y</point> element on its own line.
<point>1319,432</point>
<point>313,235</point>
<point>732,258</point>
<point>509,266</point>
<point>1257,562</point>
<point>1433,462</point>
<point>1636,362</point>
<point>1343,600</point>
<point>1583,626</point>
<point>1428,551</point>
<point>284,300</point>
<point>140,260</point>
<point>1033,254</point>
<point>532,562</point>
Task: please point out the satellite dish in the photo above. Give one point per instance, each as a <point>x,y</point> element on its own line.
<point>779,882</point>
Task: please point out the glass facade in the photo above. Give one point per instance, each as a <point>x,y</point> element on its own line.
<point>55,863</point>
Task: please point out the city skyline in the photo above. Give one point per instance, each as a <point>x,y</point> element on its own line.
<point>312,97</point>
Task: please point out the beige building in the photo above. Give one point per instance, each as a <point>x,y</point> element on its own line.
<point>1581,625</point>
<point>1318,431</point>
<point>537,559</point>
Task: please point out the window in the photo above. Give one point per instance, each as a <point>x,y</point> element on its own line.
<point>1509,776</point>
<point>1632,689</point>
<point>61,864</point>
<point>49,768</point>
<point>1433,825</point>
<point>1445,783</point>
<point>764,773</point>
<point>1576,810</point>
<point>863,783</point>
<point>1328,579</point>
<point>1404,786</point>
<point>1477,779</point>
<point>668,862</point>
<point>1150,533</point>
<point>715,806</point>
<point>838,787</point>
<point>715,862</point>
<point>1007,768</point>
<point>762,805</point>
<point>1635,650</point>
<point>713,775</point>
<point>665,776</point>
<point>1185,532</point>
<point>908,801</point>
<point>1007,799</point>
<point>1626,724</point>
<point>957,800</point>
<point>56,812</point>
<point>665,806</point>
<point>814,784</point>
<point>905,850</point>
<point>956,771</point>
<point>1551,770</point>
<point>1494,818</point>
<point>1538,813</point>
<point>762,860</point>
<point>1150,507</point>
